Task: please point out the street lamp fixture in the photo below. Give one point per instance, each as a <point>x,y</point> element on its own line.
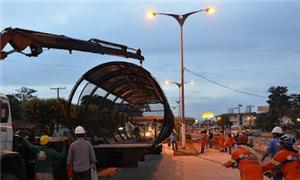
<point>169,82</point>
<point>181,18</point>
<point>210,10</point>
<point>151,14</point>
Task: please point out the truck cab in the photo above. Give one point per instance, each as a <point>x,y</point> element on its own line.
<point>5,124</point>
<point>12,164</point>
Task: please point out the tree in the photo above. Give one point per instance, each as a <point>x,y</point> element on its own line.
<point>264,122</point>
<point>33,110</point>
<point>46,113</point>
<point>25,94</point>
<point>15,106</point>
<point>224,122</point>
<point>279,103</point>
<point>295,107</point>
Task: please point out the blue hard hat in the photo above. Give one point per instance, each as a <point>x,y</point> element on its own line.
<point>286,140</point>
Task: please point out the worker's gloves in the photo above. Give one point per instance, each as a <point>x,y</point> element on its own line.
<point>19,134</point>
<point>268,174</point>
<point>93,166</point>
<point>232,164</point>
<point>225,165</point>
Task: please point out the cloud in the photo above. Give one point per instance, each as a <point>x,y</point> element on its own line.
<point>248,45</point>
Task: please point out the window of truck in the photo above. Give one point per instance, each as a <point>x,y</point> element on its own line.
<point>4,113</point>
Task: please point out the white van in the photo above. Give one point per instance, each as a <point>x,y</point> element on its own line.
<point>6,129</point>
<point>12,164</point>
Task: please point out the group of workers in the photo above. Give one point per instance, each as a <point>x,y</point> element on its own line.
<point>81,159</point>
<point>208,139</point>
<point>285,160</point>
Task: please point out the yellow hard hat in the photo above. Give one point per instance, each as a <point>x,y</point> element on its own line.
<point>44,140</point>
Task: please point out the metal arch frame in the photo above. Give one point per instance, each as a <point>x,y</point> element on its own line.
<point>135,98</point>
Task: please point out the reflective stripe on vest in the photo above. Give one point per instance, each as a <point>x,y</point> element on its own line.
<point>291,158</point>
<point>246,156</point>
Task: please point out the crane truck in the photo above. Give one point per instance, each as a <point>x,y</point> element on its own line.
<point>31,43</point>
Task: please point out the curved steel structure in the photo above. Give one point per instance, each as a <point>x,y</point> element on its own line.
<point>118,103</point>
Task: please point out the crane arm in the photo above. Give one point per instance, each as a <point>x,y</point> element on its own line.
<point>20,39</point>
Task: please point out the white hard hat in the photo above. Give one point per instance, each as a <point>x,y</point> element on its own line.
<point>277,130</point>
<point>79,130</point>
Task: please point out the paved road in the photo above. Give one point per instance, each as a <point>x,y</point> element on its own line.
<point>167,166</point>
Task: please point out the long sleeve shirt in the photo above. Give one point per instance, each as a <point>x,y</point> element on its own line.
<point>247,163</point>
<point>173,137</point>
<point>289,163</point>
<point>81,155</point>
<point>273,147</point>
<point>44,157</point>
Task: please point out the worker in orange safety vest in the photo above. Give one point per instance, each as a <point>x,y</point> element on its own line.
<point>228,143</point>
<point>287,158</point>
<point>203,140</point>
<point>221,141</point>
<point>246,160</point>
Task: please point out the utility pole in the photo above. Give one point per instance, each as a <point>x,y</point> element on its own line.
<point>251,117</point>
<point>57,90</point>
<point>240,117</point>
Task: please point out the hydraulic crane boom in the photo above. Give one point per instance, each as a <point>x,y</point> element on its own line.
<point>20,39</point>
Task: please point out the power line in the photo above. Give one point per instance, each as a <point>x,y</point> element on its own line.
<point>225,86</point>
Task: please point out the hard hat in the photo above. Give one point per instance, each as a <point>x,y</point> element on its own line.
<point>79,130</point>
<point>242,138</point>
<point>286,140</point>
<point>277,130</point>
<point>44,140</point>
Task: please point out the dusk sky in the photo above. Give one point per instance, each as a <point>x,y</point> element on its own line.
<point>248,45</point>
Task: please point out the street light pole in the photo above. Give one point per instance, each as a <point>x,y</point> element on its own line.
<point>179,95</point>
<point>251,117</point>
<point>181,99</point>
<point>181,19</point>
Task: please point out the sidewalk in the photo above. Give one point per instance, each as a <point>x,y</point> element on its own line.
<point>168,166</point>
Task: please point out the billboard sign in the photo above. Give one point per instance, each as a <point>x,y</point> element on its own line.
<point>263,109</point>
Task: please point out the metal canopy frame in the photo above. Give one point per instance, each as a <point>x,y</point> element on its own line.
<point>129,83</point>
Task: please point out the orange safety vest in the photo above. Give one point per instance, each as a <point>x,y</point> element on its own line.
<point>289,162</point>
<point>221,140</point>
<point>203,140</point>
<point>247,163</point>
<point>228,142</point>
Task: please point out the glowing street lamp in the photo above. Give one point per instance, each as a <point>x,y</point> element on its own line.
<point>181,19</point>
<point>151,14</point>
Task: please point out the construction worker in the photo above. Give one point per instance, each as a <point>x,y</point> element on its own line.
<point>273,145</point>
<point>81,156</point>
<point>273,148</point>
<point>44,158</point>
<point>221,141</point>
<point>228,143</point>
<point>203,140</point>
<point>173,139</point>
<point>246,160</point>
<point>287,159</point>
